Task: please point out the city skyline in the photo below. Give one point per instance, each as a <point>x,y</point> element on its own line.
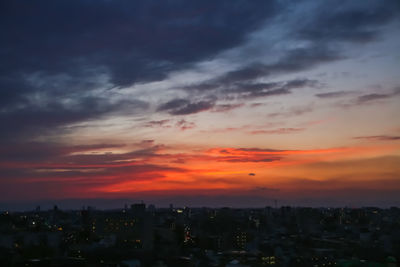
<point>203,103</point>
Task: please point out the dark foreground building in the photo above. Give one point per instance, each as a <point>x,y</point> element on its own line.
<point>146,236</point>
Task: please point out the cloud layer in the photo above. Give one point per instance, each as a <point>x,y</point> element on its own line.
<point>176,98</point>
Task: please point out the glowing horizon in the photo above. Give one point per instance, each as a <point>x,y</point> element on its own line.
<point>255,100</point>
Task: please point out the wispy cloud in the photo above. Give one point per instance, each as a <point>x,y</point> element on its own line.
<point>373,97</point>
<point>159,123</point>
<point>185,125</point>
<point>278,131</point>
<point>334,94</point>
<point>293,111</point>
<point>181,106</point>
<point>226,107</point>
<point>378,137</point>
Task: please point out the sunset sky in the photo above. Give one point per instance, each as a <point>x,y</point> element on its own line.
<point>199,103</point>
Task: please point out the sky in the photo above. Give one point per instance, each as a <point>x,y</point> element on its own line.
<point>199,103</point>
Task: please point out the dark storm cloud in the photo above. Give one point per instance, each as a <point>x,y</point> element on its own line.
<point>54,162</point>
<point>134,40</point>
<point>35,151</point>
<point>348,21</point>
<point>55,51</point>
<point>124,173</point>
<point>68,155</point>
<point>30,120</point>
<point>12,91</point>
